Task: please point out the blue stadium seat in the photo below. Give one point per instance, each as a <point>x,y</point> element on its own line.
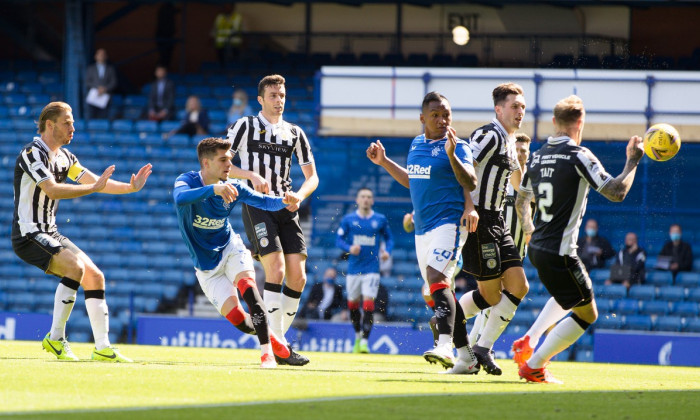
<point>655,307</point>
<point>627,306</point>
<point>642,292</point>
<point>122,126</point>
<point>599,275</point>
<point>610,322</point>
<point>672,293</point>
<point>638,322</point>
<point>686,309</point>
<point>98,125</point>
<point>613,291</point>
<point>668,323</point>
<point>605,305</point>
<point>692,325</point>
<point>660,278</point>
<point>584,356</point>
<point>687,279</point>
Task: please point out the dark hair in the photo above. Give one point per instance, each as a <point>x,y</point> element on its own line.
<point>568,110</point>
<point>51,112</point>
<point>522,138</point>
<point>271,80</point>
<point>207,147</point>
<point>364,189</point>
<point>501,92</point>
<point>432,97</point>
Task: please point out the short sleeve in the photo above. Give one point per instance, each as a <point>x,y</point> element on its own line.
<point>302,149</point>
<point>463,152</point>
<point>589,167</point>
<point>35,164</point>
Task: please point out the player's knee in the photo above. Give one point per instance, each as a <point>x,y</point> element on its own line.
<point>75,270</point>
<point>368,305</point>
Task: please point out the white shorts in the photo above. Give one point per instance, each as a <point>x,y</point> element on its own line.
<point>366,285</point>
<point>440,249</point>
<point>217,283</point>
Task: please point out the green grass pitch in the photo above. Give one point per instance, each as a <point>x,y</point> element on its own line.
<point>200,383</point>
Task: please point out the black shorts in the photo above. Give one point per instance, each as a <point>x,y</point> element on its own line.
<point>565,277</point>
<point>38,248</point>
<point>490,250</point>
<point>273,231</point>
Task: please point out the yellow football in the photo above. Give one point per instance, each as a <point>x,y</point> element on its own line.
<point>661,142</point>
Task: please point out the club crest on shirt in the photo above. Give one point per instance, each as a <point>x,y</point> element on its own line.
<point>375,224</point>
<point>435,151</point>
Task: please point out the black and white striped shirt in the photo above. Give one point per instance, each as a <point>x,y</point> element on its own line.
<point>34,210</point>
<point>560,174</point>
<point>495,159</point>
<point>267,149</point>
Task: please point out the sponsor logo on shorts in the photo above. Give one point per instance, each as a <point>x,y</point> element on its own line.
<point>260,230</point>
<point>488,251</point>
<point>264,242</point>
<point>491,263</point>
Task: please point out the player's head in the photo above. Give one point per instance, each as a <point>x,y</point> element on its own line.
<point>272,95</point>
<point>522,147</point>
<point>436,115</point>
<point>509,104</point>
<point>364,199</point>
<point>215,157</point>
<point>56,121</point>
<point>569,116</point>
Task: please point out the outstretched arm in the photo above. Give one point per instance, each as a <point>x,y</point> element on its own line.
<point>136,183</point>
<point>617,188</point>
<point>89,183</point>
<point>377,154</point>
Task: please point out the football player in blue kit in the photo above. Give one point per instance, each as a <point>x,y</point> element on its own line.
<point>203,200</point>
<point>440,176</point>
<point>360,235</point>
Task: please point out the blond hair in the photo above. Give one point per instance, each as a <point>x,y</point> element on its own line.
<point>568,110</point>
<point>51,112</point>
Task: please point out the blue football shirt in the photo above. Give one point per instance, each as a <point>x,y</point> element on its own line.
<point>203,216</point>
<point>437,197</point>
<point>368,232</point>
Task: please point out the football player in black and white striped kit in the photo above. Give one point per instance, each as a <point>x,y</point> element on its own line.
<point>41,171</point>
<point>522,147</point>
<point>559,178</point>
<point>490,255</point>
<point>266,144</point>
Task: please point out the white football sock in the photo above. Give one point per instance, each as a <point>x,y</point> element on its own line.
<point>499,318</point>
<point>465,353</point>
<point>63,303</point>
<point>265,349</point>
<point>99,321</point>
<point>290,306</point>
<point>562,336</point>
<point>479,323</point>
<point>273,303</point>
<point>468,305</point>
<point>550,315</point>
<point>444,339</point>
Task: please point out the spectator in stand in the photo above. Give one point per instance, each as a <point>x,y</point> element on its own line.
<point>239,107</point>
<point>326,298</point>
<point>629,263</point>
<point>227,34</point>
<point>196,119</point>
<point>100,80</point>
<point>161,98</point>
<point>676,255</point>
<point>594,249</point>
